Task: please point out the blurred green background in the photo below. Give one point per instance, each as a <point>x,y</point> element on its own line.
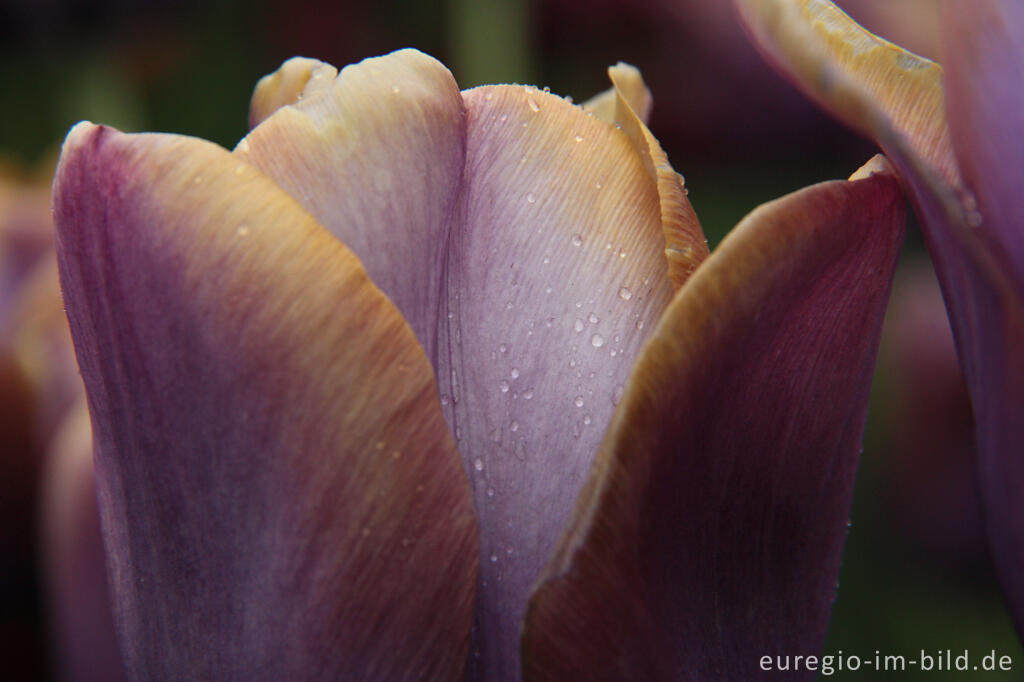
<point>916,573</point>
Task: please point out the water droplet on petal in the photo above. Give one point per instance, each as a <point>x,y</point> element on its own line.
<point>503,386</point>
<point>578,401</point>
<point>530,199</point>
<point>596,340</point>
<point>503,348</point>
<point>494,558</point>
<point>396,90</point>
<point>594,319</point>
<point>534,107</point>
<point>625,294</point>
<point>528,395</point>
<point>617,394</point>
<point>586,419</point>
<point>478,464</point>
<point>639,324</point>
<point>578,325</point>
<point>577,239</point>
<point>243,230</point>
<point>490,492</point>
<point>514,373</point>
<point>514,426</point>
<point>579,139</point>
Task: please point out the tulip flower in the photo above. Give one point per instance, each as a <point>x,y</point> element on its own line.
<point>426,384</point>
<point>954,135</point>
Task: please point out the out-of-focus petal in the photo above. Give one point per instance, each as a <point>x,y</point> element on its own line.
<point>79,599</point>
<point>525,243</point>
<point>984,51</point>
<point>984,55</point>
<point>710,531</point>
<point>898,98</point>
<point>297,78</point>
<point>280,496</point>
<point>871,84</point>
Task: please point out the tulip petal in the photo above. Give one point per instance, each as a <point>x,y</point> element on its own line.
<point>985,57</point>
<point>710,531</point>
<point>630,86</point>
<point>280,496</point>
<point>898,99</point>
<point>297,78</point>
<point>86,644</point>
<point>525,242</point>
<point>377,157</point>
<point>984,50</point>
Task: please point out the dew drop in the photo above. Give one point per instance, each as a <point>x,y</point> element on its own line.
<point>622,254</point>
<point>594,319</point>
<point>547,88</point>
<point>396,90</point>
<point>579,304</point>
<point>577,239</point>
<point>578,325</point>
<point>597,185</point>
<point>547,259</point>
<point>243,230</point>
<point>489,96</point>
<point>503,118</point>
<point>523,158</point>
<point>528,395</point>
<point>478,464</point>
<point>534,107</point>
<point>197,179</point>
<point>514,426</point>
<point>494,558</point>
<point>514,373</point>
<point>596,340</point>
<point>625,294</point>
<point>579,139</point>
<point>617,394</point>
<point>547,290</point>
<point>586,419</point>
<point>240,169</point>
<point>550,322</point>
<point>525,124</point>
<point>613,352</point>
<point>639,324</point>
<point>444,399</point>
<point>503,386</point>
<point>572,363</point>
<point>530,199</point>
<point>490,492</point>
<point>578,401</point>
<point>503,348</point>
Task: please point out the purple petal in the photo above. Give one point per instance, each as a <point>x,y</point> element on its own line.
<point>76,571</point>
<point>525,242</point>
<point>279,493</point>
<point>898,99</point>
<point>710,531</point>
<point>984,52</point>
